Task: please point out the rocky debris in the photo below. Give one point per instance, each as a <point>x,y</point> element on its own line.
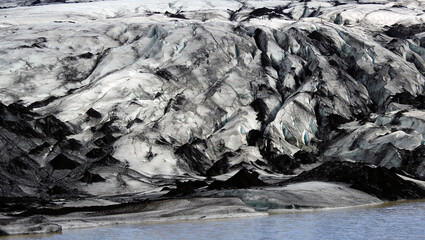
<point>51,126</point>
<point>175,15</point>
<point>185,188</point>
<point>284,164</point>
<point>414,162</point>
<point>269,13</point>
<point>89,178</point>
<point>30,225</point>
<point>403,31</point>
<point>129,206</point>
<point>261,108</point>
<point>377,181</point>
<point>242,179</point>
<point>12,204</point>
<point>305,157</point>
<point>63,162</point>
<point>407,99</point>
<point>221,166</point>
<point>194,158</point>
<point>93,113</point>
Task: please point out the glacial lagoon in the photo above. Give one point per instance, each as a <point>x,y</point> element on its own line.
<point>400,220</point>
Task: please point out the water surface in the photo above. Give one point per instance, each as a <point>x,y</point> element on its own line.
<point>391,221</point>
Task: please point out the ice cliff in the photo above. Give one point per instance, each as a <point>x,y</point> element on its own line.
<point>129,96</point>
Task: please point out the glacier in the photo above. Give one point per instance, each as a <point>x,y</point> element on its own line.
<point>126,100</point>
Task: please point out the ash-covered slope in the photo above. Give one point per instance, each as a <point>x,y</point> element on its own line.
<point>127,96</point>
<point>21,3</point>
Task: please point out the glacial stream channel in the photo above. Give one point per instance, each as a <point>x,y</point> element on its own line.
<point>400,220</point>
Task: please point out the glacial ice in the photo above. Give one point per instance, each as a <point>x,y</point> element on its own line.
<point>219,78</point>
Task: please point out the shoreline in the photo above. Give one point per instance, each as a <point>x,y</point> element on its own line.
<point>69,224</point>
<point>187,209</point>
<point>242,195</point>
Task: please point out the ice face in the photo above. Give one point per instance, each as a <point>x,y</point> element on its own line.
<point>151,91</point>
